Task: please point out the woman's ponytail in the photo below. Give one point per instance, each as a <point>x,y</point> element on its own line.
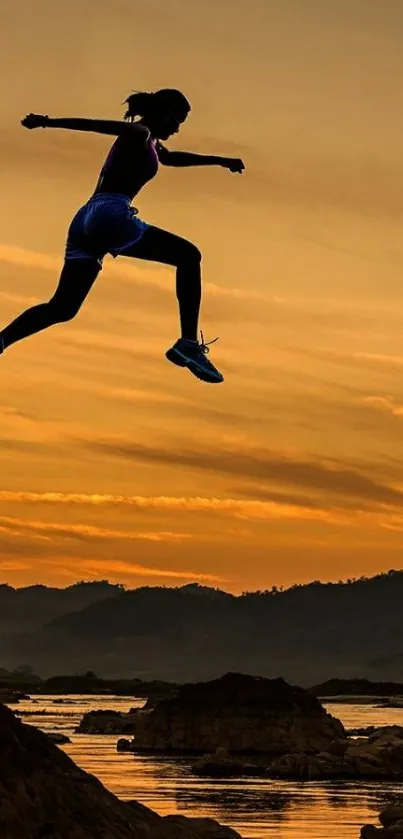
<point>139,104</point>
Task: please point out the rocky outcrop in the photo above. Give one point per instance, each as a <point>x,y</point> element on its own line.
<point>377,730</point>
<point>109,722</point>
<point>153,699</point>
<point>124,745</point>
<point>377,757</point>
<point>391,820</point>
<point>222,765</point>
<point>361,732</point>
<point>393,702</point>
<point>58,739</point>
<point>243,714</point>
<point>44,795</point>
<point>8,695</point>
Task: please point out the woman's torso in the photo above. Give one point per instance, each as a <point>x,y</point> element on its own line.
<point>129,165</point>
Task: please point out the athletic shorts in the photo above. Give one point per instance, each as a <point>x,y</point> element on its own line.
<point>107,223</point>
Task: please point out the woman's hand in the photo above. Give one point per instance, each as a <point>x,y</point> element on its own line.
<point>234,164</point>
<point>35,121</point>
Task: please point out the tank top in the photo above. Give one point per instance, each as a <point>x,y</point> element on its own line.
<point>128,166</point>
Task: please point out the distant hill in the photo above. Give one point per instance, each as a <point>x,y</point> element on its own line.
<point>307,634</point>
<point>357,687</point>
<point>31,607</point>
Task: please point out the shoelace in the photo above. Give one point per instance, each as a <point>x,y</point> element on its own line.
<point>204,346</point>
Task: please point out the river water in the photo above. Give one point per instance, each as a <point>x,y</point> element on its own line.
<point>257,808</point>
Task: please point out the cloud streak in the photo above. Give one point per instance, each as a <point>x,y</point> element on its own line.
<point>268,507</point>
<point>233,507</point>
<point>85,532</point>
<point>371,361</point>
<point>116,568</point>
<point>260,464</point>
<point>383,403</point>
<point>13,565</point>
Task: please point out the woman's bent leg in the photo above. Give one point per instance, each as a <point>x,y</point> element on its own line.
<point>158,245</point>
<point>76,280</point>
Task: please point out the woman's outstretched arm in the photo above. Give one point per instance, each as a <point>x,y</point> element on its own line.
<point>99,126</point>
<point>186,158</point>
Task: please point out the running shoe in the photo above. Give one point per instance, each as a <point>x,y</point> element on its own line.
<point>193,355</point>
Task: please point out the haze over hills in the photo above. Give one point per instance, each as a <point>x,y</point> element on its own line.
<point>31,607</point>
<point>306,634</point>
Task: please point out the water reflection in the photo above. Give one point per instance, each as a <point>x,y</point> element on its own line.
<point>257,808</point>
<point>224,799</point>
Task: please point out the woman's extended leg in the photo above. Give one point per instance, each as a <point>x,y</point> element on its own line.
<point>158,245</point>
<point>76,280</point>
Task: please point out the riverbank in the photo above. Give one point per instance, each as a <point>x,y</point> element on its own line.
<point>255,808</point>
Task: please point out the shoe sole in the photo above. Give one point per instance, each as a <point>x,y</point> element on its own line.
<point>182,360</point>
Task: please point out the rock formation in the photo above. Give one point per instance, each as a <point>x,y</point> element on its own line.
<point>365,731</point>
<point>109,722</point>
<point>11,696</point>
<point>222,765</point>
<point>377,757</point>
<point>393,702</point>
<point>124,745</point>
<point>391,820</point>
<point>57,738</point>
<point>44,795</point>
<point>243,714</point>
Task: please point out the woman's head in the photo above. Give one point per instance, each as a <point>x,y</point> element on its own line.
<point>162,112</point>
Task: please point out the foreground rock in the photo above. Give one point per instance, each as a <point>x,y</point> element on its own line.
<point>109,722</point>
<point>377,757</point>
<point>391,820</point>
<point>43,794</point>
<point>243,714</point>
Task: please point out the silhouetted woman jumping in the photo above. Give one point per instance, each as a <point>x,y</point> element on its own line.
<point>108,223</point>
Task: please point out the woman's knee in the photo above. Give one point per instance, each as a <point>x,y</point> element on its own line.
<point>189,254</point>
<point>62,310</point>
<point>76,280</point>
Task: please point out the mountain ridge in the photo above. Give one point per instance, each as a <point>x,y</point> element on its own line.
<point>306,633</point>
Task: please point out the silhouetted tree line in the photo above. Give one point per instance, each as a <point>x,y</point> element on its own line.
<point>306,633</point>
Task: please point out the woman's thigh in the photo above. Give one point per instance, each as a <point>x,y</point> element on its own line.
<point>157,245</point>
<point>76,280</point>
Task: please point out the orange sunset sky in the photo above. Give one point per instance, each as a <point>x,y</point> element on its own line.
<point>113,462</point>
